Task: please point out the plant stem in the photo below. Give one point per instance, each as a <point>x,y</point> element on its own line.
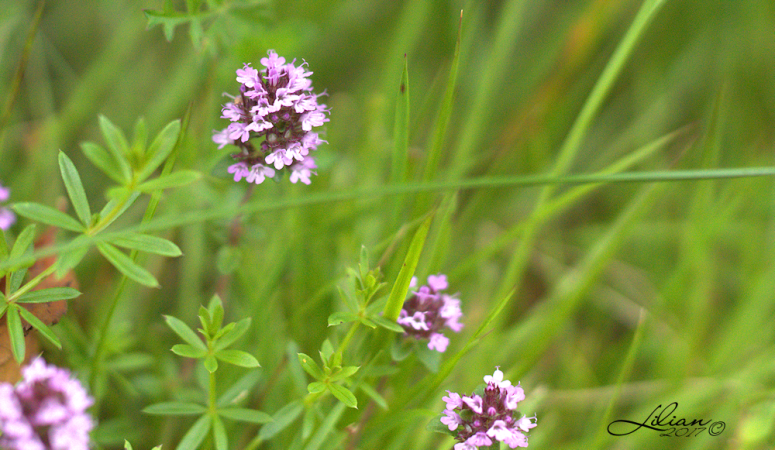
<point>32,283</point>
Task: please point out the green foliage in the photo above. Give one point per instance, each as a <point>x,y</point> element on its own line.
<point>589,167</point>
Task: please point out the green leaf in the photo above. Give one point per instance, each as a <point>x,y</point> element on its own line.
<point>175,409</point>
<point>310,366</point>
<point>401,286</point>
<point>127,445</point>
<point>121,196</point>
<point>188,351</point>
<point>240,389</point>
<point>75,189</point>
<point>184,332</point>
<point>341,317</point>
<point>316,387</point>
<point>16,280</point>
<point>106,162</point>
<point>211,364</point>
<point>245,415</point>
<point>139,137</point>
<point>235,333</point>
<point>20,247</point>
<point>345,372</point>
<point>196,434</point>
<point>117,144</point>
<point>160,149</point>
<point>40,326</point>
<point>49,295</point>
<point>238,358</point>
<point>384,323</point>
<point>219,433</point>
<point>216,311</point>
<point>344,395</point>
<point>282,418</point>
<point>15,332</point>
<point>146,243</point>
<point>176,179</point>
<point>48,215</point>
<point>126,266</point>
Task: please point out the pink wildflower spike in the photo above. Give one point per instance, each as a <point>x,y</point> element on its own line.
<point>438,309</point>
<point>489,418</point>
<point>277,108</point>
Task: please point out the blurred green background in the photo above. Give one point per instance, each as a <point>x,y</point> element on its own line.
<point>692,262</point>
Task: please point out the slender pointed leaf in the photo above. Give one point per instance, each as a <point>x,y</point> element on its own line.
<point>74,189</point>
<point>188,351</point>
<point>160,149</point>
<point>384,323</point>
<point>175,179</point>
<point>238,358</point>
<point>126,266</point>
<point>105,161</point>
<point>341,317</point>
<point>146,243</point>
<point>211,364</point>
<point>196,434</point>
<point>20,247</point>
<point>49,295</point>
<point>40,326</point>
<point>245,415</point>
<point>219,434</point>
<point>316,387</point>
<point>235,333</point>
<point>48,215</point>
<point>175,409</point>
<point>117,145</point>
<point>15,332</point>
<point>310,366</point>
<point>185,333</point>
<point>345,372</point>
<point>344,395</point>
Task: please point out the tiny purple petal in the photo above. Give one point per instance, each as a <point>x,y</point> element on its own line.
<point>526,424</point>
<point>475,403</point>
<point>240,170</point>
<point>7,218</point>
<point>453,400</point>
<point>480,439</point>
<point>514,395</point>
<point>452,420</point>
<point>437,282</point>
<point>438,342</point>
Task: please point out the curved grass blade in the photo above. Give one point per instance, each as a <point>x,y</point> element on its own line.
<point>196,434</point>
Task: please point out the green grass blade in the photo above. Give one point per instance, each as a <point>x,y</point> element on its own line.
<point>398,170</point>
<point>401,285</point>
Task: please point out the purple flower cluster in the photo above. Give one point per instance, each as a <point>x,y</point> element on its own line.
<point>45,411</point>
<point>480,420</point>
<point>275,103</point>
<point>428,311</point>
<point>7,218</point>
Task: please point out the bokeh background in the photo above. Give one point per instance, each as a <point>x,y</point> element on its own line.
<point>629,295</point>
